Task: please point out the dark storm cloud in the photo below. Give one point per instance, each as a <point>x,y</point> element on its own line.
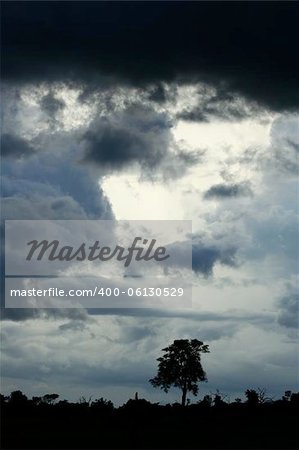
<point>116,147</point>
<point>137,135</point>
<point>15,147</point>
<point>225,191</point>
<point>204,257</point>
<point>250,47</point>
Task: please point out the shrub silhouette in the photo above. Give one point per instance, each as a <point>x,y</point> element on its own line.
<point>142,424</point>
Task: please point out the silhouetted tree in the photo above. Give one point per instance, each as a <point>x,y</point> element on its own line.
<point>252,397</point>
<point>3,399</point>
<point>84,402</point>
<point>287,396</point>
<point>295,398</point>
<point>262,396</point>
<point>257,397</point>
<point>102,404</point>
<point>49,399</point>
<point>218,399</point>
<point>36,400</point>
<point>17,398</point>
<point>206,401</point>
<point>181,367</point>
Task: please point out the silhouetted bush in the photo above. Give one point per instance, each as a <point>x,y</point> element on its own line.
<point>45,422</point>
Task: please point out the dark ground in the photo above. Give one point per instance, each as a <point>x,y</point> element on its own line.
<point>140,424</point>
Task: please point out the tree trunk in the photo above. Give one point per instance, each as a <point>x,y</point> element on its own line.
<point>184,396</point>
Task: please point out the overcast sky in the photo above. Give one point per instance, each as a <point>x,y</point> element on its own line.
<point>158,111</point>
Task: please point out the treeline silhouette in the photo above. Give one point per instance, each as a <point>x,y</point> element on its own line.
<point>212,422</point>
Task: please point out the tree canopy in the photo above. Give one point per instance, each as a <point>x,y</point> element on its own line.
<point>180,366</point>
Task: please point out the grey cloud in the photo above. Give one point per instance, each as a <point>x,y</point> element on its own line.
<point>19,314</point>
<point>288,315</point>
<point>93,376</point>
<point>115,147</point>
<point>287,162</point>
<point>38,207</point>
<point>74,325</point>
<point>158,94</point>
<point>285,144</point>
<point>220,105</point>
<point>161,93</point>
<point>204,257</point>
<point>214,334</point>
<point>76,315</point>
<point>209,331</point>
<point>51,105</point>
<point>208,316</point>
<point>225,191</point>
<point>48,186</point>
<point>136,333</point>
<point>294,145</point>
<point>15,147</point>
<point>274,232</point>
<point>139,135</point>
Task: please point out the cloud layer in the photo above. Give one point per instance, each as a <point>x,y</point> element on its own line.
<point>235,45</point>
<point>178,110</point>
